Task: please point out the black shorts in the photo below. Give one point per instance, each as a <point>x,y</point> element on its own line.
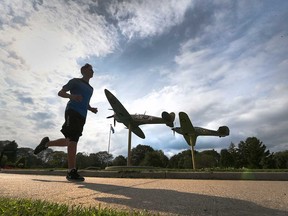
<point>73,125</point>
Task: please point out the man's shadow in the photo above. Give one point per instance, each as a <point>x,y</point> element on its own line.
<point>174,202</point>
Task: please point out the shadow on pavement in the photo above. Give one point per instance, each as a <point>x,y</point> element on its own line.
<point>174,202</point>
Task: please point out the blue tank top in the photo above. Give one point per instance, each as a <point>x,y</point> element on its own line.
<point>79,87</point>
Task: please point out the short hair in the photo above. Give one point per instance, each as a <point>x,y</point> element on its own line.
<point>85,67</point>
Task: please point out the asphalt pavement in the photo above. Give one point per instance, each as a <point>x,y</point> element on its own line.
<point>159,195</point>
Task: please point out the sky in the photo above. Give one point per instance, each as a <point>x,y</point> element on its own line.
<point>222,62</point>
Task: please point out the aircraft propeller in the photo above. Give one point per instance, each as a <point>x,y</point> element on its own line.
<point>112,116</point>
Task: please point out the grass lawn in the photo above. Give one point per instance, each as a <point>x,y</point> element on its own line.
<point>27,207</point>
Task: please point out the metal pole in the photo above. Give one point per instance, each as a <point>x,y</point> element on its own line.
<point>192,152</point>
<point>129,146</point>
<point>109,138</point>
<point>109,142</point>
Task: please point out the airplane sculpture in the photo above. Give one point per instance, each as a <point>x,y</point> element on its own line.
<point>191,133</point>
<point>132,122</point>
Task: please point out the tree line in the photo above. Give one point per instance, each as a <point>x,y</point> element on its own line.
<point>251,153</point>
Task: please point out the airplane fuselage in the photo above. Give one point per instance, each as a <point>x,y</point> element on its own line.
<point>140,119</point>
<point>202,132</point>
<point>132,122</point>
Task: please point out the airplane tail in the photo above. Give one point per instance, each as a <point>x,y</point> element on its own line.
<point>168,118</point>
<point>223,131</point>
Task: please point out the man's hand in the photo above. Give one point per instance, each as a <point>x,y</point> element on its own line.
<point>93,109</point>
<point>63,93</point>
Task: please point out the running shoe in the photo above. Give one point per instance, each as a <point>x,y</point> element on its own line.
<point>74,176</point>
<point>42,146</point>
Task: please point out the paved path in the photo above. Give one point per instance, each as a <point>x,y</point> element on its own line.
<point>167,197</point>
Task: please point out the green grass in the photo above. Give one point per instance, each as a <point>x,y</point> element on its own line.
<point>27,207</point>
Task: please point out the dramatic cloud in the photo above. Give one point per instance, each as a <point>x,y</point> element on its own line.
<point>148,18</point>
<point>222,62</point>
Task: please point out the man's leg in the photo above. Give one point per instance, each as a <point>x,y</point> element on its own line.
<point>72,149</point>
<point>58,142</point>
<point>72,174</point>
<point>45,143</point>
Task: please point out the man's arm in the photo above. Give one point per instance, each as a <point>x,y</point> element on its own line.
<point>92,109</point>
<point>63,93</point>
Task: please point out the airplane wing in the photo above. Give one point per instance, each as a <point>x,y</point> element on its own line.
<point>123,114</point>
<point>187,128</point>
<point>137,131</point>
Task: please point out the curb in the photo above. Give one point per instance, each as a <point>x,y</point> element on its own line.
<point>257,176</point>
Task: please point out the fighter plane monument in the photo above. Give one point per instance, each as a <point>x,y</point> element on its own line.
<point>186,128</point>
<point>191,133</point>
<point>132,122</point>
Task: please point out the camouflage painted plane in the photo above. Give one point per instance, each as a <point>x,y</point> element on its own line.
<point>191,133</point>
<point>132,122</point>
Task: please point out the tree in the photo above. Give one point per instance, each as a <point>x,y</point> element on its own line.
<point>94,160</point>
<point>281,159</point>
<point>105,158</point>
<point>236,159</point>
<point>101,159</point>
<point>252,152</point>
<point>82,160</point>
<point>119,161</point>
<point>32,161</point>
<point>46,155</point>
<point>58,159</point>
<point>24,152</point>
<point>21,162</point>
<point>138,154</point>
<point>9,149</point>
<point>3,160</point>
<point>269,162</point>
<point>173,162</point>
<point>226,158</point>
<point>155,158</point>
<point>23,157</point>
<point>207,159</point>
<point>182,160</point>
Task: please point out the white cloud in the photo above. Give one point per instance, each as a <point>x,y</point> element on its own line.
<point>227,64</point>
<point>40,52</point>
<point>148,18</point>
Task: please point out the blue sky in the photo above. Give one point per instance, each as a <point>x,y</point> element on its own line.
<point>221,62</point>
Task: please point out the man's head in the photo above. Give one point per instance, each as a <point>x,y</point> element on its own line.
<point>87,70</point>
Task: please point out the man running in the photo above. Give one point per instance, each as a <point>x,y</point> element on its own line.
<point>79,91</point>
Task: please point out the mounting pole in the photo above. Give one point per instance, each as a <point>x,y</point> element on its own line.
<point>192,152</point>
<point>129,146</point>
<point>108,150</point>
